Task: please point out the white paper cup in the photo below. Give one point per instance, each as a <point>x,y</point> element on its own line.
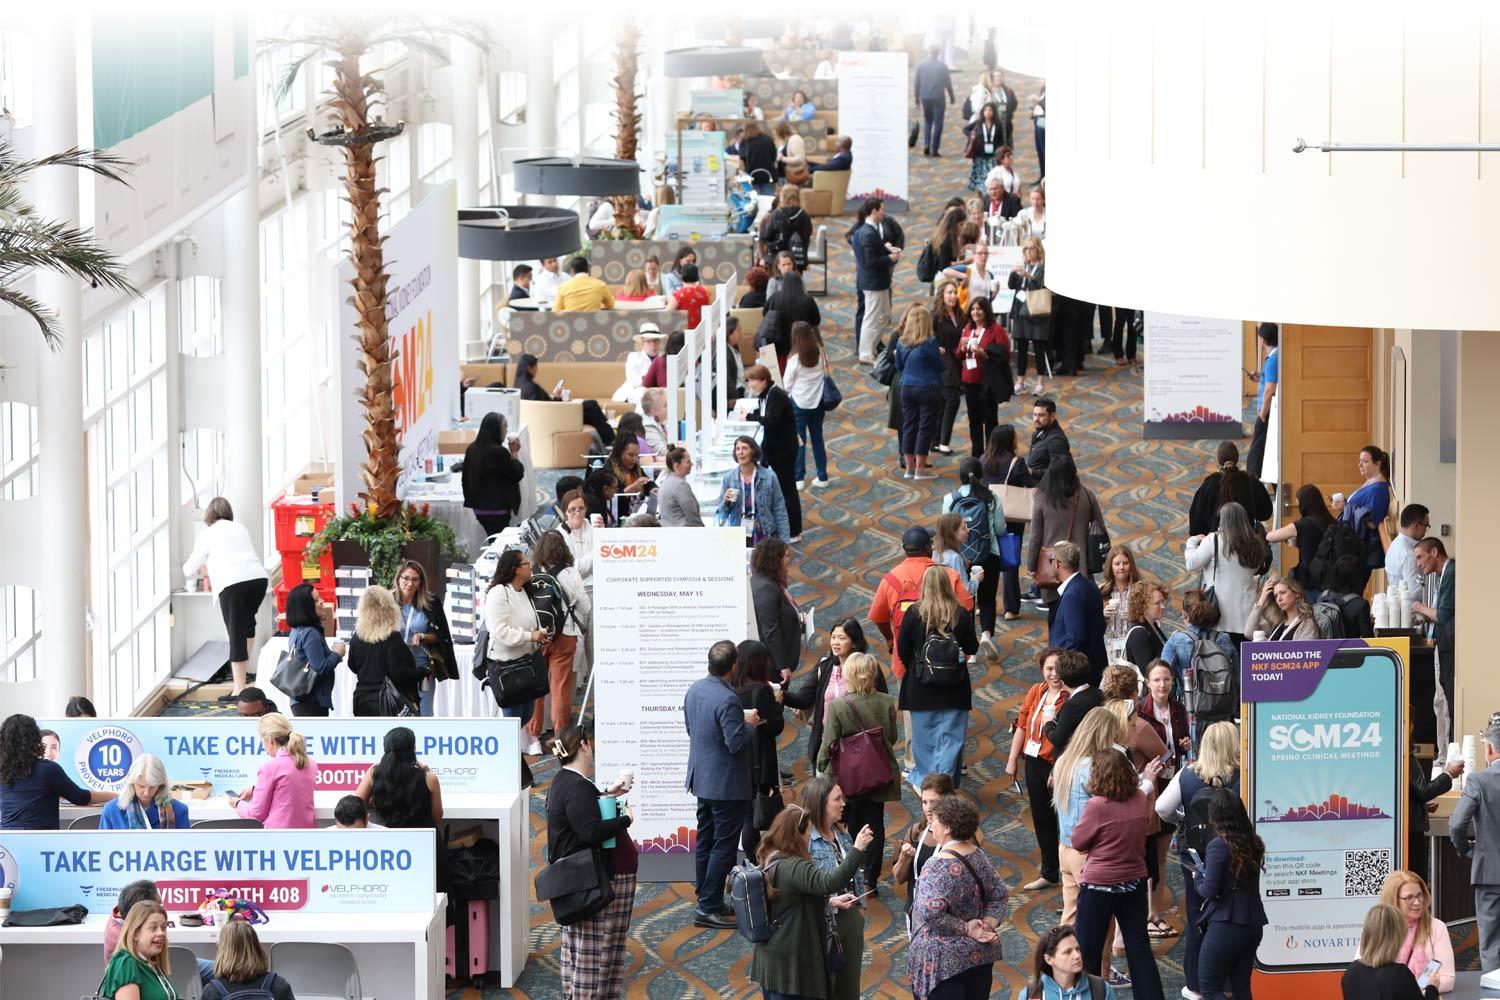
<point>1259,636</point>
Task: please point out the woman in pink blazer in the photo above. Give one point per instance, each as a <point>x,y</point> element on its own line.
<point>282,796</point>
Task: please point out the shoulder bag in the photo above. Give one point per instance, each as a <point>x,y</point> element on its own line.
<point>832,395</point>
<point>861,761</point>
<point>1207,593</point>
<point>1015,500</point>
<point>293,674</point>
<point>392,702</point>
<point>518,681</point>
<point>1097,550</point>
<point>1039,302</point>
<point>1044,574</point>
<point>577,886</point>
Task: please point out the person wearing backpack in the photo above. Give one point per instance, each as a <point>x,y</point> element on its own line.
<point>555,570</point>
<point>1233,917</point>
<point>1210,654</point>
<point>1341,601</point>
<point>1058,973</point>
<point>1187,802</point>
<point>860,709</point>
<point>242,969</point>
<point>1283,606</point>
<point>936,639</point>
<point>983,519</point>
<point>793,963</point>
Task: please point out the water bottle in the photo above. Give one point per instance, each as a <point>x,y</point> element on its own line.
<point>1405,605</point>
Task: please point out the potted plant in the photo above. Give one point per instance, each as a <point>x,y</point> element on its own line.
<point>361,538</point>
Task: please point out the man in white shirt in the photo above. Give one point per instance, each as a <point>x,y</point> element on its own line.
<point>826,69</point>
<point>546,281</point>
<point>1400,558</point>
<point>654,410</point>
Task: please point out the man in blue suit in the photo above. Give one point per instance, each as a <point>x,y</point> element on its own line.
<point>718,774</point>
<point>1078,619</point>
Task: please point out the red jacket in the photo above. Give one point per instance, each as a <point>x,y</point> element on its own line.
<point>908,572</point>
<point>973,374</point>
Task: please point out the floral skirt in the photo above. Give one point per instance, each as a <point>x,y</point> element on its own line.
<point>982,165</point>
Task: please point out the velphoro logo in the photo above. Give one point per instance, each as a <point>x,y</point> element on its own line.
<point>104,756</point>
<point>10,871</point>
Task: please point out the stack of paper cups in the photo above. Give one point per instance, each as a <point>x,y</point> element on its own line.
<point>1380,610</point>
<point>1452,755</point>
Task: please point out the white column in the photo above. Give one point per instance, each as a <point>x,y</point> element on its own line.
<point>63,518</point>
<point>465,75</point>
<point>541,98</point>
<point>243,465</point>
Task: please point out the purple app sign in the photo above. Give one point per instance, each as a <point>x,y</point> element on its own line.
<point>1287,671</point>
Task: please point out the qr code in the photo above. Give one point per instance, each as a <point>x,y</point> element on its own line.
<point>1365,872</point>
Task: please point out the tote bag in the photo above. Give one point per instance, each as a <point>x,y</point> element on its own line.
<point>861,761</point>
<point>1045,574</point>
<point>1015,500</point>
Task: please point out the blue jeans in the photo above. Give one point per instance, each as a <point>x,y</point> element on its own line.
<point>1226,958</point>
<point>522,712</point>
<point>425,693</point>
<point>719,825</point>
<point>932,123</point>
<point>937,743</point>
<point>810,425</point>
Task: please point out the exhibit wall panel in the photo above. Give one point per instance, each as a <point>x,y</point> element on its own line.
<point>1190,114</point>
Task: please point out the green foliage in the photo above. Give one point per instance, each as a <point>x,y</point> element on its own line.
<point>383,538</point>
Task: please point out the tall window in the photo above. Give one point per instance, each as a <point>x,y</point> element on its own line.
<point>126,420</point>
<point>20,618</point>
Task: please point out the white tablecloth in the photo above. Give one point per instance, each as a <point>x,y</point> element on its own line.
<point>447,500</point>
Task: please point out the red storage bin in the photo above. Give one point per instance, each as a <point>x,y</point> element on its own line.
<point>283,590</point>
<point>298,567</point>
<point>297,520</point>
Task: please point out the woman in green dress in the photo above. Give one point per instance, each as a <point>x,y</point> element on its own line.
<point>138,968</point>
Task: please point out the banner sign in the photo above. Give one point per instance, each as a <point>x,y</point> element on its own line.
<point>718,103</point>
<point>1193,379</point>
<point>471,756</point>
<point>1326,740</point>
<point>312,871</point>
<point>873,102</point>
<point>703,161</point>
<point>662,597</point>
<point>421,308</point>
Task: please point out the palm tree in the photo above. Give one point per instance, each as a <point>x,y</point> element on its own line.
<point>627,117</point>
<point>29,242</point>
<point>348,107</point>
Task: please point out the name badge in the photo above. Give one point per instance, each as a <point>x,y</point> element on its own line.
<point>1033,748</point>
<point>970,363</point>
<point>989,149</point>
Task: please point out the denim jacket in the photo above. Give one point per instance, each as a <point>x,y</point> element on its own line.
<point>770,506</point>
<point>828,859</point>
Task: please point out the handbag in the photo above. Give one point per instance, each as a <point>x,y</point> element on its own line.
<point>885,365</point>
<point>1207,594</point>
<point>1097,550</point>
<point>1044,573</point>
<point>832,395</point>
<point>861,761</point>
<point>1039,302</point>
<point>833,945</point>
<point>1010,550</point>
<point>293,674</point>
<point>578,886</point>
<point>971,148</point>
<point>766,807</point>
<point>1016,501</point>
<point>392,702</point>
<point>518,681</point>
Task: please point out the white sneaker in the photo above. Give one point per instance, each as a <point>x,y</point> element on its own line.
<point>924,474</point>
<point>795,539</point>
<point>867,359</point>
<point>534,748</point>
<point>801,486</point>
<point>1188,994</point>
<point>988,648</point>
<point>818,484</point>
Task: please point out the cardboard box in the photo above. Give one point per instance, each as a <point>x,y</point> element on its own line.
<point>189,791</point>
<point>313,480</point>
<point>455,442</point>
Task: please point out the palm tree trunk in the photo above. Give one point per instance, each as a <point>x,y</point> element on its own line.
<point>627,117</point>
<point>350,104</point>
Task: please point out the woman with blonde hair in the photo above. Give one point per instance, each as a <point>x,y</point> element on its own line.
<point>282,796</point>
<point>936,639</point>
<point>145,801</point>
<point>1378,971</point>
<point>948,541</point>
<point>1121,573</point>
<point>139,970</point>
<point>1427,937</point>
<point>242,967</point>
<point>1283,606</point>
<point>378,653</point>
<point>1027,328</point>
<point>920,362</point>
<point>636,287</point>
<point>1100,730</point>
<point>862,707</point>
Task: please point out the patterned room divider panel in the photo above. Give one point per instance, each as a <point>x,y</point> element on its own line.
<point>718,260</point>
<point>773,93</point>
<point>605,335</point>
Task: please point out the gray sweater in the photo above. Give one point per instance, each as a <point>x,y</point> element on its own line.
<point>675,504</point>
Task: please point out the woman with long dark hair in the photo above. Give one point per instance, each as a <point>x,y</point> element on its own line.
<point>751,679</point>
<point>424,629</point>
<point>791,304</point>
<point>401,791</point>
<point>30,784</point>
<point>304,616</point>
<point>826,681</point>
<point>492,474</point>
<point>947,326</point>
<point>1057,970</point>
<point>594,954</point>
<point>777,617</point>
<point>1227,483</point>
<point>1003,466</point>
<point>514,627</point>
<point>1230,559</point>
<point>625,465</point>
<point>1305,534</point>
<point>1233,917</point>
<point>803,379</point>
<point>984,363</point>
<point>553,557</point>
<point>986,557</point>
<point>1063,509</point>
<point>828,844</point>
<point>986,138</point>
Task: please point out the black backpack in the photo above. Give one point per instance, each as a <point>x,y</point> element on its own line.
<point>1215,680</point>
<point>773,332</point>
<point>750,902</point>
<point>261,991</point>
<point>798,250</point>
<point>553,608</point>
<point>773,237</point>
<point>1339,540</point>
<point>927,265</point>
<point>941,659</point>
<point>1197,831</point>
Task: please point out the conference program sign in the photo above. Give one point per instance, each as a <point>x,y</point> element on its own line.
<point>873,106</point>
<point>1193,380</point>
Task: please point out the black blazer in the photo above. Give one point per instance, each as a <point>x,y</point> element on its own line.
<point>1203,514</point>
<point>1424,791</point>
<point>919,697</point>
<point>373,662</point>
<point>573,820</point>
<point>1389,982</point>
<point>764,769</point>
<point>758,157</point>
<point>1226,900</point>
<point>1010,205</point>
<point>492,478</point>
<point>807,695</point>
<point>1143,644</point>
<point>780,628</point>
<point>779,442</point>
<point>1060,730</point>
<point>437,618</point>
<point>873,260</point>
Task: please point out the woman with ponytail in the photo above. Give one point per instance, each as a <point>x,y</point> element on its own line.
<point>401,791</point>
<point>1228,483</point>
<point>282,796</point>
<point>594,957</point>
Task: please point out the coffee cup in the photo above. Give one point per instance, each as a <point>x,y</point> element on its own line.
<point>627,779</point>
<point>6,894</point>
<point>567,395</point>
<point>597,520</point>
<point>1259,636</point>
<point>731,496</point>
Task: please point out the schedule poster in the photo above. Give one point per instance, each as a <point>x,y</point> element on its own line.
<point>703,167</point>
<point>662,597</point>
<point>1193,379</point>
<point>1327,742</point>
<point>874,101</point>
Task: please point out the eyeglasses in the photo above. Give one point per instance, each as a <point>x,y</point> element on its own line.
<point>1420,897</point>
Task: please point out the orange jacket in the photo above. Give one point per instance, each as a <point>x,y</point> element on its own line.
<point>909,572</point>
<point>1029,721</point>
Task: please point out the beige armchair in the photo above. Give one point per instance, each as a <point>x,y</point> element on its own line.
<point>559,440</point>
<point>836,184</point>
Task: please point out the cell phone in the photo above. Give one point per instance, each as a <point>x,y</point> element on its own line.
<point>1427,974</point>
<point>1192,853</point>
<point>1165,758</point>
<point>867,892</point>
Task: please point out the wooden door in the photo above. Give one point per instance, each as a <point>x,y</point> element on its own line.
<point>1327,386</point>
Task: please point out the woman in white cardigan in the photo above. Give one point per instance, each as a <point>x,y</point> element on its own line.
<point>1230,559</point>
<point>236,575</point>
<point>515,630</point>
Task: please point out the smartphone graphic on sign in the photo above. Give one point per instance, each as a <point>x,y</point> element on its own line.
<point>1327,777</point>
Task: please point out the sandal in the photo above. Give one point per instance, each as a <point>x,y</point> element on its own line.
<point>1156,927</point>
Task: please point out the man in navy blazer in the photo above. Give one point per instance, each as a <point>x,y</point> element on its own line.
<point>1078,619</point>
<point>874,259</point>
<point>718,774</point>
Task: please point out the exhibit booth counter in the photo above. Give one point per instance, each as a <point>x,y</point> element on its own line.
<point>371,891</point>
<point>476,759</point>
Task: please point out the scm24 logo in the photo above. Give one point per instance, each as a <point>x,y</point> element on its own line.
<point>635,550</point>
<point>1333,736</point>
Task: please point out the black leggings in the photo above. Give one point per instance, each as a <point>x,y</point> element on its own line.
<point>984,415</point>
<point>869,812</point>
<point>239,603</point>
<point>984,601</point>
<point>306,709</point>
<point>1043,359</point>
<point>1122,336</point>
<point>1043,814</point>
<point>951,397</point>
